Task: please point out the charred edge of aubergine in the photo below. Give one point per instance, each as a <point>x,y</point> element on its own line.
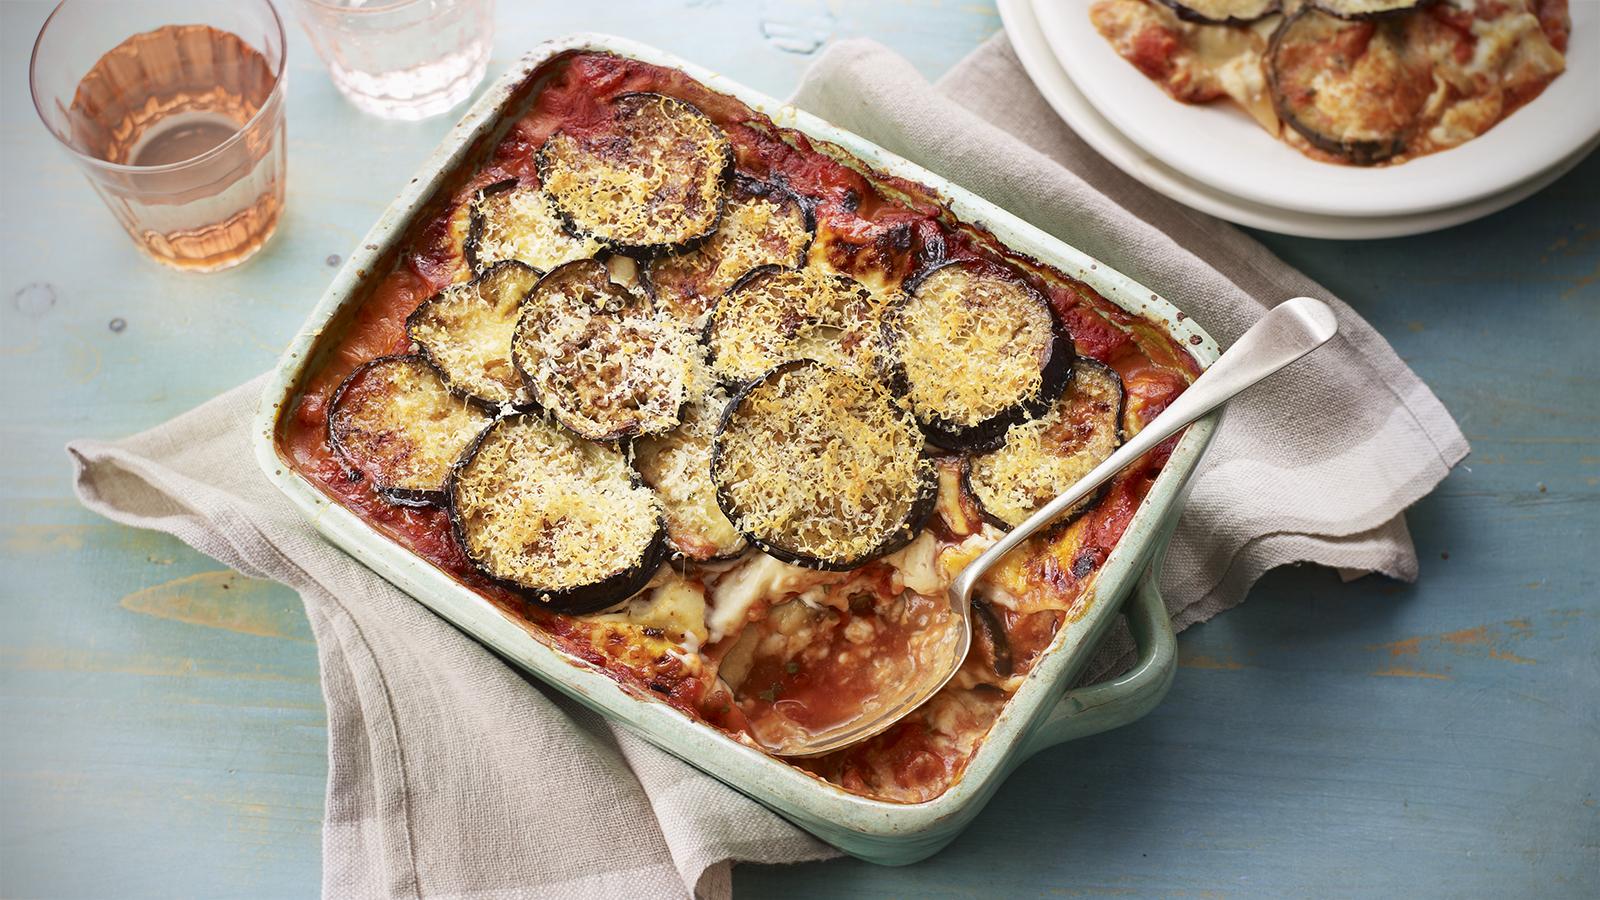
<point>1336,8</point>
<point>921,507</point>
<point>469,247</point>
<point>710,326</point>
<point>1357,152</point>
<point>884,375</point>
<point>1189,14</point>
<point>396,496</point>
<point>749,186</point>
<point>1086,504</point>
<point>427,353</point>
<point>992,634</point>
<point>589,598</point>
<point>990,433</point>
<point>649,251</point>
<point>539,402</point>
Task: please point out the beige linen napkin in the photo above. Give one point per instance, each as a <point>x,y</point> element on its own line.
<point>452,776</point>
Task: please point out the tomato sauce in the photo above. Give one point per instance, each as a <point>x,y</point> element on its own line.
<point>879,229</point>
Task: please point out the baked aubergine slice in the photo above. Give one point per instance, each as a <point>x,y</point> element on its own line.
<point>1223,12</point>
<point>1043,457</point>
<point>562,520</point>
<point>973,349</point>
<point>650,181</point>
<point>512,221</point>
<point>595,355</point>
<point>677,465</point>
<point>465,331</point>
<point>819,467</point>
<point>1366,9</point>
<point>762,225</point>
<point>1353,89</point>
<point>394,421</point>
<point>775,315</point>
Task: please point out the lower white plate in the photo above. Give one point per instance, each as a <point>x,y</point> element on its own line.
<point>1022,27</point>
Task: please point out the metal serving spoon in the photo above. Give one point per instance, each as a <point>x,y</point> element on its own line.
<point>1287,332</point>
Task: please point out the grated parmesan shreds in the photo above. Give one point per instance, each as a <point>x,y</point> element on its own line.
<point>971,344</point>
<point>1045,456</point>
<point>779,316</point>
<point>654,179</point>
<point>520,223</point>
<point>549,511</point>
<point>601,360</point>
<point>466,331</point>
<point>397,423</point>
<point>821,463</point>
<point>755,231</point>
<point>678,466</point>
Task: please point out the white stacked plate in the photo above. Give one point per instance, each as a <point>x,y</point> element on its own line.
<point>1216,159</point>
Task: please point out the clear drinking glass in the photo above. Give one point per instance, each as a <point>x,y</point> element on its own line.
<point>173,109</point>
<point>402,59</point>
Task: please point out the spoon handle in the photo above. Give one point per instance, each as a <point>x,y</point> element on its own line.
<point>1287,332</point>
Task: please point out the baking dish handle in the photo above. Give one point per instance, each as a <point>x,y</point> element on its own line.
<point>1099,707</point>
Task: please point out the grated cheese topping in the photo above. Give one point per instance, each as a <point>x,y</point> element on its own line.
<point>678,466</point>
<point>820,463</point>
<point>972,344</point>
<point>1043,457</point>
<point>777,316</point>
<point>653,179</point>
<point>549,511</point>
<point>601,360</point>
<point>395,421</point>
<point>466,331</point>
<point>520,223</point>
<point>756,230</point>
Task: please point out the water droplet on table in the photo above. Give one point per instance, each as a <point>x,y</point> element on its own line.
<point>34,299</point>
<point>118,325</point>
<point>333,259</point>
<point>796,26</point>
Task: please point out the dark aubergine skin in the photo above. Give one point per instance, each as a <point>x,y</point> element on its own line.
<point>739,285</point>
<point>1361,153</point>
<point>417,313</point>
<point>989,635</point>
<point>646,251</point>
<point>990,433</point>
<point>1088,503</point>
<point>744,186</point>
<point>921,507</point>
<point>397,496</point>
<point>711,316</point>
<point>1191,15</point>
<point>527,378</point>
<point>469,247</point>
<point>583,599</point>
<point>748,186</point>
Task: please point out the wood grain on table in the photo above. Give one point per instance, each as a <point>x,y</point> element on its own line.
<point>161,726</point>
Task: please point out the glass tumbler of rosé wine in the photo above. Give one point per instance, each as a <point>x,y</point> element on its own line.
<point>402,59</point>
<point>173,110</point>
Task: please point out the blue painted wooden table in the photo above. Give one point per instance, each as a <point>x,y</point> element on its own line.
<point>161,726</point>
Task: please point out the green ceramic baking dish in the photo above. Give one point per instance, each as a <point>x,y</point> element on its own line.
<point>1042,713</point>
